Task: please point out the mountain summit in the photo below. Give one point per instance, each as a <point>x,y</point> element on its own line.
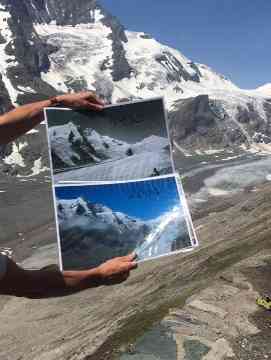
<point>265,89</point>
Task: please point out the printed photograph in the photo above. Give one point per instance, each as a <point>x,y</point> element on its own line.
<point>123,142</point>
<point>102,221</point>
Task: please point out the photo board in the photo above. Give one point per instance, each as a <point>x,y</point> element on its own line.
<point>114,185</point>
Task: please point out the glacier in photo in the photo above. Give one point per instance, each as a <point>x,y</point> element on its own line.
<point>84,154</point>
<point>92,233</point>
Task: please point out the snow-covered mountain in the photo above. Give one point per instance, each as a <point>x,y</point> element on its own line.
<point>265,89</point>
<point>78,150</point>
<point>88,228</point>
<point>169,233</point>
<point>50,46</point>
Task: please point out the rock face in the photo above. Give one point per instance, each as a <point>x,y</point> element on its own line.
<point>24,57</point>
<point>28,54</point>
<point>198,123</point>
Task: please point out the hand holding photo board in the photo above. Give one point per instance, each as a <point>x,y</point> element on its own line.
<point>115,189</point>
<point>97,222</point>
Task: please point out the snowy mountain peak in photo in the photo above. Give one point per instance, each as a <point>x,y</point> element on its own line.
<point>265,89</point>
<point>50,47</point>
<point>88,228</point>
<point>80,208</point>
<point>77,150</point>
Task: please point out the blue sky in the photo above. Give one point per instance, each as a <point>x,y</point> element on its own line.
<point>231,36</point>
<point>129,198</point>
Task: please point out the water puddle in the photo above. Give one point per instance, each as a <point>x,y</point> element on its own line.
<point>156,344</point>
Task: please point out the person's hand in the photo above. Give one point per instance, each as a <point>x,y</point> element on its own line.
<point>83,100</point>
<point>117,269</point>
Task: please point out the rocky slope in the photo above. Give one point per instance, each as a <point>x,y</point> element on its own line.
<point>103,319</point>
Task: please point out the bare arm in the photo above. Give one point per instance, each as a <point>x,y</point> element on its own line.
<point>47,282</point>
<point>24,118</point>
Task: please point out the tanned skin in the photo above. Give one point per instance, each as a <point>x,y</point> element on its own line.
<point>50,282</point>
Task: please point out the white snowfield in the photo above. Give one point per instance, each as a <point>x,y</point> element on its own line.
<point>149,76</point>
<point>265,90</point>
<point>129,168</point>
<point>83,49</point>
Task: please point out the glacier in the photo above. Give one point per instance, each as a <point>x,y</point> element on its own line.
<point>92,233</point>
<point>84,154</point>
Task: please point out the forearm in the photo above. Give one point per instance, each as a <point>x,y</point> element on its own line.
<point>19,121</point>
<point>46,282</point>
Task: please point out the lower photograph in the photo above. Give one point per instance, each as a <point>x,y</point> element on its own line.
<point>99,221</point>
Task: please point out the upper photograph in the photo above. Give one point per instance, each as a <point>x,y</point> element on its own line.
<point>128,141</point>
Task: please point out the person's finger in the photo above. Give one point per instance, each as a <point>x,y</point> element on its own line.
<point>96,100</point>
<point>97,106</point>
<point>84,104</point>
<point>117,279</point>
<point>129,257</point>
<point>131,265</point>
<point>93,98</point>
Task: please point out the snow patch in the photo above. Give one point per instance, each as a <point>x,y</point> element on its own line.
<point>6,61</point>
<point>15,158</point>
<point>83,50</point>
<point>26,89</point>
<point>132,167</point>
<point>265,90</point>
<point>32,131</point>
<point>36,169</point>
<point>213,151</point>
<point>218,192</point>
